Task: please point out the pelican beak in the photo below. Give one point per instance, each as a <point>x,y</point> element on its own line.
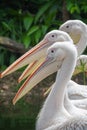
<point>31,56</point>
<point>43,70</point>
<point>29,70</point>
<point>76,38</point>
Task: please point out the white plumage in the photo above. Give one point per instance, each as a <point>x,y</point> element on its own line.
<point>53,115</point>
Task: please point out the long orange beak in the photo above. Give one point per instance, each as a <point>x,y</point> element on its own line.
<point>31,56</point>
<point>44,69</point>
<point>29,70</point>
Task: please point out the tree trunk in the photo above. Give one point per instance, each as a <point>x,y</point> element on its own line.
<point>65,13</point>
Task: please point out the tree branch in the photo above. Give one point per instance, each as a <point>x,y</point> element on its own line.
<point>11,45</point>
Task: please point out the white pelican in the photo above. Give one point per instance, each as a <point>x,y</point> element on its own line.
<point>78,32</point>
<point>81,103</point>
<point>53,115</point>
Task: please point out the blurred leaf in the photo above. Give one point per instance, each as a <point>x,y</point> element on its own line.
<point>42,10</point>
<point>32,30</point>
<point>26,41</point>
<point>69,6</point>
<point>27,22</point>
<point>38,35</point>
<point>2,67</point>
<point>75,9</point>
<point>84,8</point>
<point>1,59</point>
<point>44,29</point>
<point>12,59</point>
<point>50,17</point>
<point>6,26</point>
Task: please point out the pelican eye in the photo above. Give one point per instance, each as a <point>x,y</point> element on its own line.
<point>52,51</point>
<point>67,26</point>
<point>53,35</point>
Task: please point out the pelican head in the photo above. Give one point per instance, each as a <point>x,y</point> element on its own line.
<point>74,28</point>
<point>78,32</point>
<point>38,51</point>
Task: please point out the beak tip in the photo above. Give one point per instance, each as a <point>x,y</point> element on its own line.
<point>14,101</point>
<point>14,104</point>
<point>19,80</point>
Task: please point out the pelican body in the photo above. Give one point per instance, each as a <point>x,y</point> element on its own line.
<point>53,115</point>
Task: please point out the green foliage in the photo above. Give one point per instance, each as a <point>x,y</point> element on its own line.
<point>27,21</point>
<point>77,9</point>
<point>82,68</point>
<point>28,28</point>
<point>13,117</point>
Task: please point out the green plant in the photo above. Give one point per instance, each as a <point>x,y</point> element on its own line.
<point>26,27</point>
<point>28,21</point>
